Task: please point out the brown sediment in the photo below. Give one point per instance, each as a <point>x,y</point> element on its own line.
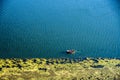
<point>59,69</point>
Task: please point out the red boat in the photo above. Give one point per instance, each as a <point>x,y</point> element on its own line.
<point>70,51</point>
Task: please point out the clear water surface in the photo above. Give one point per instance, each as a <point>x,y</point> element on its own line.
<point>47,28</point>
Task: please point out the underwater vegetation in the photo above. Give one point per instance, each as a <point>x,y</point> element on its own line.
<point>59,69</point>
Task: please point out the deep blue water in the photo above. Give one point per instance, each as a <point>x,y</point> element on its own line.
<point>47,28</point>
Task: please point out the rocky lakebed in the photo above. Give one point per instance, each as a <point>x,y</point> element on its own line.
<point>59,69</point>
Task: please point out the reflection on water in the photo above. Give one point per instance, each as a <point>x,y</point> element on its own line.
<point>39,28</point>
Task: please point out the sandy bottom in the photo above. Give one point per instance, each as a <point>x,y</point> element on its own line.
<point>59,69</point>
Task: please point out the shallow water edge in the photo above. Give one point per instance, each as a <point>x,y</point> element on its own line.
<point>59,69</point>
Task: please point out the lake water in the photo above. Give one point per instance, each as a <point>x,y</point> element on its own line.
<point>47,28</point>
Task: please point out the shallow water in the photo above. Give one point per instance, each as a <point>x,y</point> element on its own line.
<point>47,28</point>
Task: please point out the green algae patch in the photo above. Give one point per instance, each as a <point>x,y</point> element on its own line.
<point>59,69</point>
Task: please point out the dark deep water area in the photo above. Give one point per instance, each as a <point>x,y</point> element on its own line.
<point>47,28</point>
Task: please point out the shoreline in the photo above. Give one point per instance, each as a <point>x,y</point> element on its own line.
<point>59,69</point>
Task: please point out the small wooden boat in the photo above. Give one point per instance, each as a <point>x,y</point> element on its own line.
<point>70,51</point>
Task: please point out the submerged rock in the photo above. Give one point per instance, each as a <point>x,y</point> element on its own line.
<point>97,66</point>
<point>118,65</point>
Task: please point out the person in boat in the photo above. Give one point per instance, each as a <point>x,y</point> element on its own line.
<point>70,51</point>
